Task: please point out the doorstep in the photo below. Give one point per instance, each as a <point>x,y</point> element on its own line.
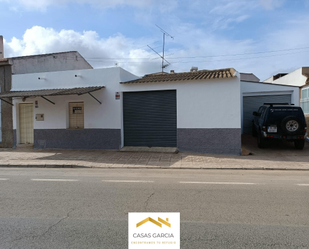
<point>149,149</point>
<point>24,146</point>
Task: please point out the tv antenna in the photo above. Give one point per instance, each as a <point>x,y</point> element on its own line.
<point>162,56</point>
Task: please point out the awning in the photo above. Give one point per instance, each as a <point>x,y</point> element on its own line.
<point>50,92</point>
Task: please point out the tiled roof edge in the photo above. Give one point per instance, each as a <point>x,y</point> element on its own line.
<point>196,75</point>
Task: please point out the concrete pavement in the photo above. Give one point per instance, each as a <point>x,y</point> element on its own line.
<point>273,158</point>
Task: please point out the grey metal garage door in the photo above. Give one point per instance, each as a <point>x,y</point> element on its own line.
<point>150,118</point>
<point>252,103</point>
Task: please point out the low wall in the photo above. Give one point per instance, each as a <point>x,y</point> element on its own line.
<point>84,139</point>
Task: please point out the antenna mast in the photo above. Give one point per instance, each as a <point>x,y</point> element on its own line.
<point>162,56</point>
<point>164,33</point>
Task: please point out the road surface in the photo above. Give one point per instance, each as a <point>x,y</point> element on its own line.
<point>88,208</point>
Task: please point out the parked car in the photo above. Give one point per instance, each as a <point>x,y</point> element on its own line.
<point>279,121</point>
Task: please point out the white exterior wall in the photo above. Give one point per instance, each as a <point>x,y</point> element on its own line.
<point>255,89</point>
<point>212,96</point>
<point>269,80</point>
<point>107,115</point>
<point>204,104</point>
<point>201,104</point>
<point>295,78</point>
<point>304,101</point>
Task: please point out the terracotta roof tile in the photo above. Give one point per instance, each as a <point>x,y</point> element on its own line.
<point>185,76</point>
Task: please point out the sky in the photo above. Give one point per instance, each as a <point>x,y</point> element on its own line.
<point>264,37</point>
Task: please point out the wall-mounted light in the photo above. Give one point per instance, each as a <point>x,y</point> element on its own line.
<point>41,78</point>
<point>77,75</point>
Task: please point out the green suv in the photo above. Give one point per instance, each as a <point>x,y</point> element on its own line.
<point>279,121</point>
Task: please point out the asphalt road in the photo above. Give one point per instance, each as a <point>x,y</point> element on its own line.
<point>88,208</point>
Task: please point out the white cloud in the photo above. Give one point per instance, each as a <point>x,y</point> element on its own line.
<point>232,7</point>
<point>225,14</point>
<point>227,23</point>
<point>185,51</point>
<point>43,4</point>
<point>100,52</point>
<point>271,4</point>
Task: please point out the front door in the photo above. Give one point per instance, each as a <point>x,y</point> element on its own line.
<point>26,123</point>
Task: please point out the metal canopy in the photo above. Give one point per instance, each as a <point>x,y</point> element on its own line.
<point>51,92</point>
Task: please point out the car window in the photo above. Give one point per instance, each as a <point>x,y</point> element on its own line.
<point>263,111</point>
<point>280,113</point>
<point>260,109</point>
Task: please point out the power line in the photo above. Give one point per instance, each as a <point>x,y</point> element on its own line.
<point>224,55</point>
<point>247,58</point>
<point>205,56</point>
<point>203,61</point>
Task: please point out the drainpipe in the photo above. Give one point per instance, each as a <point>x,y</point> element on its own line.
<point>1,47</point>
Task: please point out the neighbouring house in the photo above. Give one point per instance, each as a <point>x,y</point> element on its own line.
<point>299,78</point>
<point>52,62</point>
<point>304,101</point>
<point>250,77</point>
<point>30,64</point>
<point>110,108</point>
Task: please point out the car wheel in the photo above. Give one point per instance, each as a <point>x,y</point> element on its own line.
<point>299,144</point>
<point>261,141</point>
<point>254,133</point>
<point>291,125</point>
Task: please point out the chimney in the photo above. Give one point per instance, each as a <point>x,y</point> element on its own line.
<point>1,47</point>
<point>193,69</point>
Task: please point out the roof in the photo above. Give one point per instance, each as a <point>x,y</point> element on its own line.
<point>4,62</point>
<point>51,92</point>
<point>51,62</point>
<point>185,76</point>
<point>42,55</point>
<point>249,77</point>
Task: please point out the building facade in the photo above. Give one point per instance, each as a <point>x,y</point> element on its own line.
<point>298,78</point>
<point>111,108</point>
<point>25,65</point>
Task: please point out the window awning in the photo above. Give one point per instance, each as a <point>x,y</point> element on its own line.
<point>51,92</point>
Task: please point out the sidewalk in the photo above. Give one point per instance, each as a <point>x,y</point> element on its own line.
<point>28,157</point>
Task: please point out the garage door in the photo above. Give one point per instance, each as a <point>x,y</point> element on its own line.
<point>150,119</point>
<point>252,103</point>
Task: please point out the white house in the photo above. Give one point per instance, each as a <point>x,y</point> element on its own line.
<point>110,108</point>
<point>52,62</point>
<point>298,78</point>
<point>304,101</point>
